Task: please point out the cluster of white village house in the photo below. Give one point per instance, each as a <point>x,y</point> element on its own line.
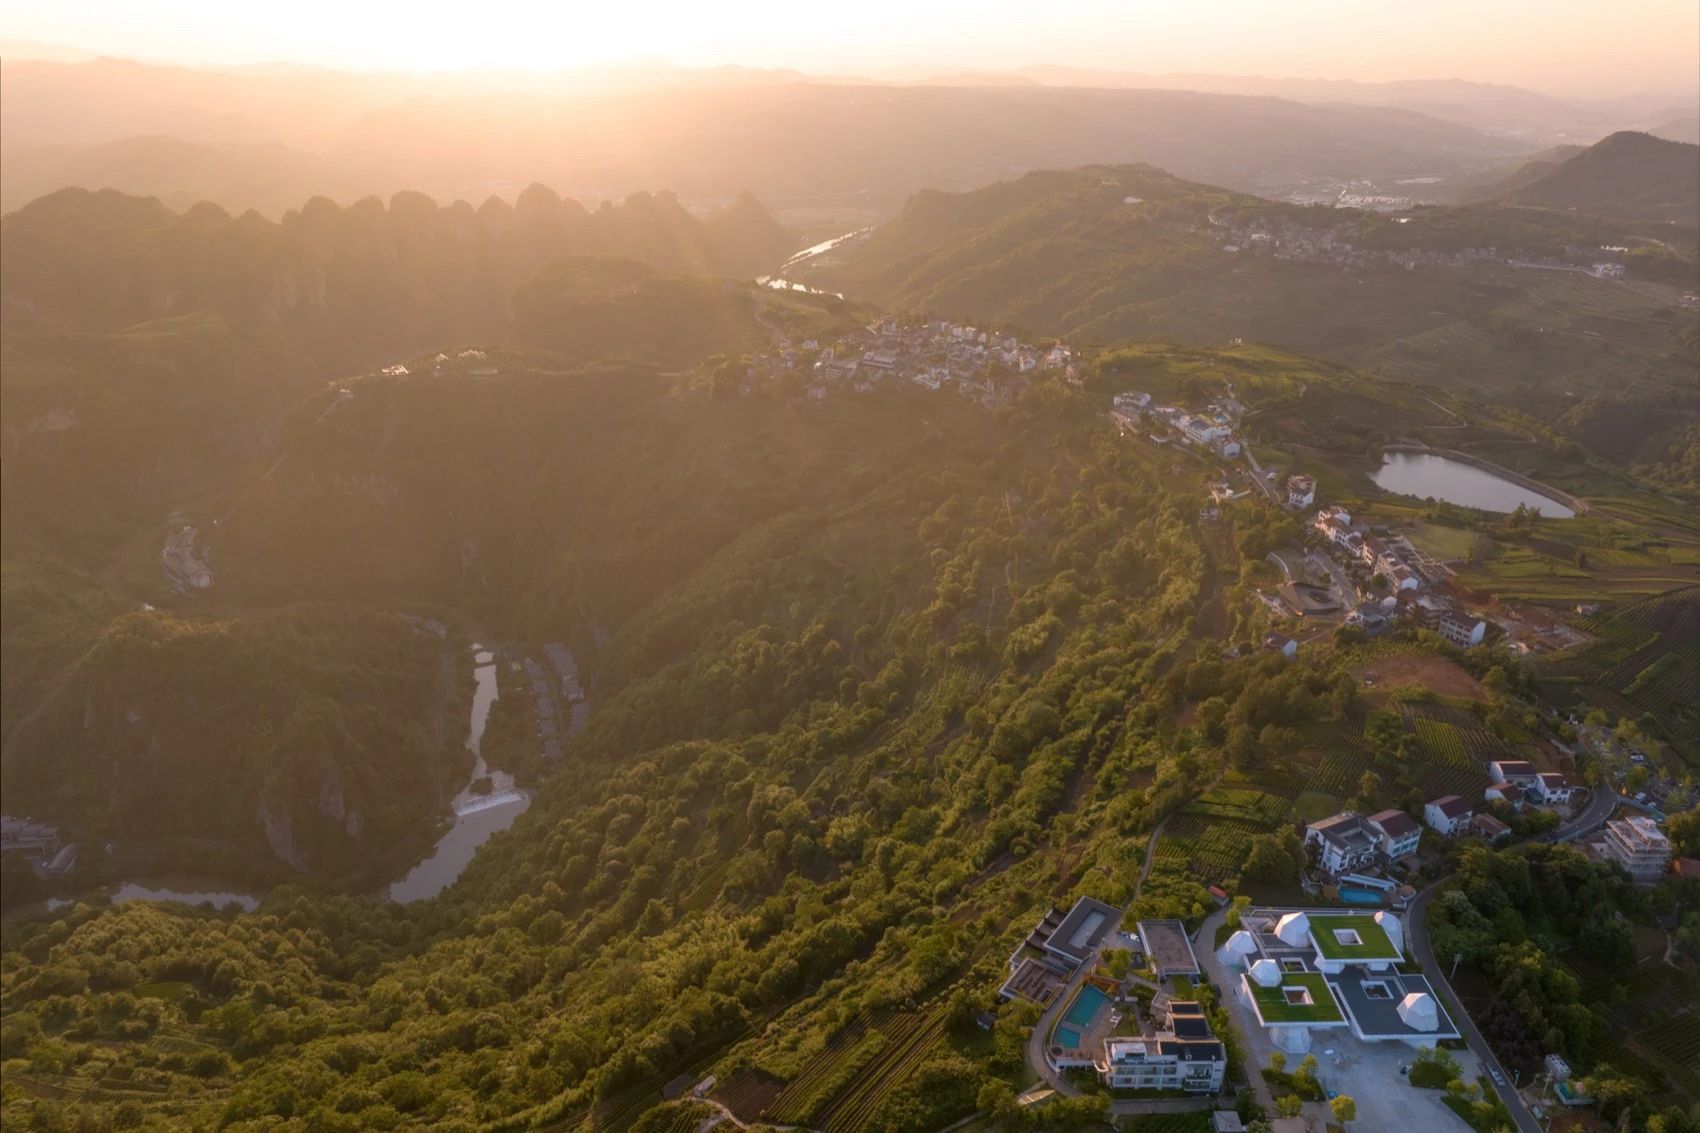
<point>1394,560</point>
<point>1347,842</point>
<point>984,366</point>
<point>1211,428</point>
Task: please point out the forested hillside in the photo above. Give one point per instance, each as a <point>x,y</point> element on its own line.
<point>1631,176</point>
<point>1497,301</point>
<point>312,738</point>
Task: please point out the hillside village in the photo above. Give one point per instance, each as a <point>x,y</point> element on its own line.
<point>987,367</point>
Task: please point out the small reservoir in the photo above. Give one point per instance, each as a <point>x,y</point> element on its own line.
<point>1429,475</point>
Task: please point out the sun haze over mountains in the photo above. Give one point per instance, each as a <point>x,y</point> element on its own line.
<point>909,568</point>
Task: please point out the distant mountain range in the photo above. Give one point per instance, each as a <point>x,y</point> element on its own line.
<point>264,138</point>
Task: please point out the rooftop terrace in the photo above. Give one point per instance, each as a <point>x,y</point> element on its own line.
<point>1300,997</point>
<point>1351,936</point>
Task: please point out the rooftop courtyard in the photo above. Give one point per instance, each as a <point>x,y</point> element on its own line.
<point>1351,936</point>
<point>1300,997</point>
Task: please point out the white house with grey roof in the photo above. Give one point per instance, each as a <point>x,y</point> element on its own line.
<point>1344,842</point>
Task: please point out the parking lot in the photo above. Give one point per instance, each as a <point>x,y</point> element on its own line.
<point>1369,1074</point>
<point>1366,1072</point>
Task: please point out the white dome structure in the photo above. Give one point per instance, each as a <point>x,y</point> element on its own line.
<point>1237,951</point>
<point>1293,1040</point>
<point>1294,930</point>
<point>1394,930</point>
<point>1266,973</point>
<point>1419,1012</point>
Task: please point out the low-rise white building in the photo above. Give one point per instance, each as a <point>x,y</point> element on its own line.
<point>1552,788</point>
<point>1516,771</point>
<point>1397,832</point>
<point>1448,814</point>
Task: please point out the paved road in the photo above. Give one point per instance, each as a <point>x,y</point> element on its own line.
<point>1257,473</point>
<point>1204,945</point>
<point>1593,816</point>
<point>1036,1040</point>
<point>1417,929</point>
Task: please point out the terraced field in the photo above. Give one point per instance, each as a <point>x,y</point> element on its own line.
<point>908,1038</point>
<point>1345,757</point>
<point>1645,663</point>
<point>1212,848</point>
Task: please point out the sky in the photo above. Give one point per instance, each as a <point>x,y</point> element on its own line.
<point>1580,47</point>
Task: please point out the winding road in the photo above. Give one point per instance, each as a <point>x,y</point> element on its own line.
<point>1036,1038</point>
<point>1416,928</point>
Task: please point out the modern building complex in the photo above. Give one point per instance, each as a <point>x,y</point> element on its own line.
<point>1313,970</point>
<point>1183,1055</point>
<point>1056,948</point>
<point>1168,949</point>
<point>1639,846</point>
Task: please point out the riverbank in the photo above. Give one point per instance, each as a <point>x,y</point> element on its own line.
<point>1556,495</point>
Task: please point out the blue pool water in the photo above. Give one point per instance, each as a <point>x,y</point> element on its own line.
<point>1360,897</point>
<point>1086,1006</point>
<point>1079,1016</point>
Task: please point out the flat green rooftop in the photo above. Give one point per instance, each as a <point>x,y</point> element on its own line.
<point>1351,936</point>
<point>1302,997</point>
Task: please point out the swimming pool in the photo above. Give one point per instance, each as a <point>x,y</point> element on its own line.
<point>1079,1016</point>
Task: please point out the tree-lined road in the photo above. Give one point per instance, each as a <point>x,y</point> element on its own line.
<point>1416,928</point>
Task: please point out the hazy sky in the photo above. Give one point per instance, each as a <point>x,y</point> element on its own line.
<point>1564,46</point>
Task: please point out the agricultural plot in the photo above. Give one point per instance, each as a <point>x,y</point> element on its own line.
<point>1452,737</point>
<point>1645,663</point>
<point>827,1073</point>
<point>1345,757</point>
<point>1441,744</point>
<point>1245,804</point>
<point>749,1093</point>
<point>1460,781</point>
<point>909,1037</point>
<point>1212,847</point>
<point>1675,1046</point>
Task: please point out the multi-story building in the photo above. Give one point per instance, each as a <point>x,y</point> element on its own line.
<point>1345,841</point>
<point>1397,832</point>
<point>1448,814</point>
<point>1301,491</point>
<point>1518,771</point>
<point>1637,844</point>
<point>1461,629</point>
<point>1184,1056</point>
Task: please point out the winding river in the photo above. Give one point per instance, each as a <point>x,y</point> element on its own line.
<point>778,282</point>
<point>478,815</point>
